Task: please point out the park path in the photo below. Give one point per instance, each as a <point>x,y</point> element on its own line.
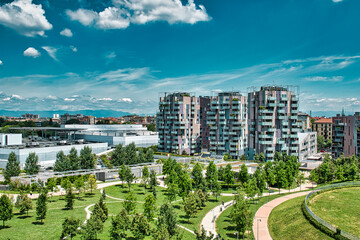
<point>260,223</point>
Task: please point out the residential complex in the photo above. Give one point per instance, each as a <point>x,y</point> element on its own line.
<point>178,123</point>
<point>273,121</point>
<point>264,121</point>
<point>307,145</point>
<point>323,127</point>
<point>346,135</point>
<point>227,120</point>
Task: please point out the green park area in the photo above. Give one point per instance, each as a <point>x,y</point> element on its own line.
<point>339,207</point>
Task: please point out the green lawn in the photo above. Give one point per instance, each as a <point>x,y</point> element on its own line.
<point>21,227</point>
<point>224,226</point>
<point>340,207</point>
<point>287,221</point>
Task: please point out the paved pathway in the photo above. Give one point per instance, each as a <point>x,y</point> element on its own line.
<point>209,220</point>
<point>260,223</point>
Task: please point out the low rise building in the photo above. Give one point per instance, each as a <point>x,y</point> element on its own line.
<point>307,145</point>
<point>323,127</point>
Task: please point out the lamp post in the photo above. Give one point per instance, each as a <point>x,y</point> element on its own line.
<point>258,220</point>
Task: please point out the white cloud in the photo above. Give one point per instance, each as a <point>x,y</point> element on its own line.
<point>66,32</point>
<point>32,52</point>
<point>105,99</point>
<point>337,1</point>
<point>111,55</point>
<point>69,99</point>
<point>14,96</point>
<point>24,17</point>
<point>324,79</point>
<point>51,51</point>
<point>73,48</point>
<point>129,100</point>
<point>124,12</point>
<point>1,62</point>
<point>84,16</point>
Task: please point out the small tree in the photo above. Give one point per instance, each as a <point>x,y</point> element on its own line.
<point>189,206</point>
<point>119,225</point>
<point>243,174</point>
<point>12,167</point>
<point>251,188</point>
<point>140,226</point>
<point>92,227</point>
<point>79,185</point>
<point>153,180</point>
<point>41,207</point>
<point>300,179</point>
<point>6,209</point>
<point>129,176</point>
<point>61,163</point>
<point>228,175</point>
<point>51,186</point>
<point>200,199</point>
<point>161,233</point>
<point>24,203</point>
<point>92,183</point>
<point>86,159</point>
<point>31,164</point>
<point>216,190</point>
<point>262,157</point>
<point>122,172</point>
<point>240,214</point>
<point>172,191</point>
<point>145,175</point>
<point>150,207</point>
<point>69,199</point>
<point>202,235</point>
<point>70,227</point>
<point>130,202</point>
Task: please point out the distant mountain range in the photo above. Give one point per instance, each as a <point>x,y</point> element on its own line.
<point>95,113</point>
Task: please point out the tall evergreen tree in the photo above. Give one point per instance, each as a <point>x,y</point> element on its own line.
<point>12,167</point>
<point>6,209</point>
<point>70,227</point>
<point>31,164</point>
<point>119,225</point>
<point>197,177</point>
<point>118,156</point>
<point>211,175</point>
<point>41,207</point>
<point>61,163</point>
<point>168,218</point>
<point>86,159</point>
<point>243,174</point>
<point>73,159</point>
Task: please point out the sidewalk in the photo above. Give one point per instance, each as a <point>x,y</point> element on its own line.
<point>260,223</point>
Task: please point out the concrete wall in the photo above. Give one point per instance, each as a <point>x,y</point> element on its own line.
<point>140,141</point>
<point>10,139</point>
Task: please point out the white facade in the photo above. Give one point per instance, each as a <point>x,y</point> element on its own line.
<point>9,139</point>
<point>116,134</point>
<point>47,155</point>
<point>307,144</point>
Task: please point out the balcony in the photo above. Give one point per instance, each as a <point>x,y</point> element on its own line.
<point>266,124</point>
<point>266,117</point>
<point>266,142</point>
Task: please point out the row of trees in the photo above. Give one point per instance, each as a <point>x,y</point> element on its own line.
<point>131,155</point>
<point>13,166</point>
<point>340,169</point>
<point>86,160</point>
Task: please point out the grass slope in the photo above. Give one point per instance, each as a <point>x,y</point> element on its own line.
<point>340,207</point>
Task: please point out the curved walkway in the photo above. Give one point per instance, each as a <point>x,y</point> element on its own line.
<point>260,223</point>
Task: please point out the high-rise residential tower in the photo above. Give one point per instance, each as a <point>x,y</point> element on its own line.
<point>179,123</point>
<point>273,121</point>
<point>227,121</point>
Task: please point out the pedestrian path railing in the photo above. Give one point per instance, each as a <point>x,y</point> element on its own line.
<point>324,226</point>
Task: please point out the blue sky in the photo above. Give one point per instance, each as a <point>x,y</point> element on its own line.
<point>119,54</point>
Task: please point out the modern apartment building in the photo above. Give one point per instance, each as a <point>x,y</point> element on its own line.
<point>305,121</point>
<point>307,145</point>
<point>179,123</point>
<point>227,120</point>
<point>323,127</point>
<point>273,121</point>
<point>346,135</point>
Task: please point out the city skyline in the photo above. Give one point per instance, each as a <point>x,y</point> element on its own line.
<point>118,55</point>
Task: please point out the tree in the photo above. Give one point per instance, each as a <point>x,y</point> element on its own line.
<point>100,210</point>
<point>122,173</point>
<point>202,235</point>
<point>12,167</point>
<point>211,175</point>
<point>171,191</point>
<point>200,199</point>
<point>130,153</point>
<point>352,172</point>
<point>197,177</point>
<point>90,230</point>
<point>260,179</point>
<point>92,185</point>
<point>216,190</point>
<point>31,164</point>
<point>150,207</point>
<point>145,175</point>
<point>184,184</point>
<point>41,207</point>
<point>140,226</point>
<point>73,162</point>
<point>262,157</point>
<point>281,179</point>
<point>256,157</point>
<point>51,186</point>
<point>70,227</point>
<point>243,174</point>
<point>243,157</point>
<point>320,142</point>
<point>300,179</point>
<point>153,180</point>
<point>189,206</point>
<point>251,188</point>
<point>119,225</point>
<point>228,175</point>
<point>161,233</point>
<point>168,218</point>
<point>24,203</point>
<point>79,185</point>
<point>130,202</point>
<point>118,156</point>
<point>151,127</point>
<point>61,163</point>
<point>86,159</point>
<point>65,183</point>
<point>240,214</point>
<point>6,209</point>
<point>340,173</point>
<point>69,199</point>
<point>149,156</point>
<point>129,176</point>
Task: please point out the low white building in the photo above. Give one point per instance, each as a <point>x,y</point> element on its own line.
<point>9,139</point>
<point>116,134</point>
<point>307,145</point>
